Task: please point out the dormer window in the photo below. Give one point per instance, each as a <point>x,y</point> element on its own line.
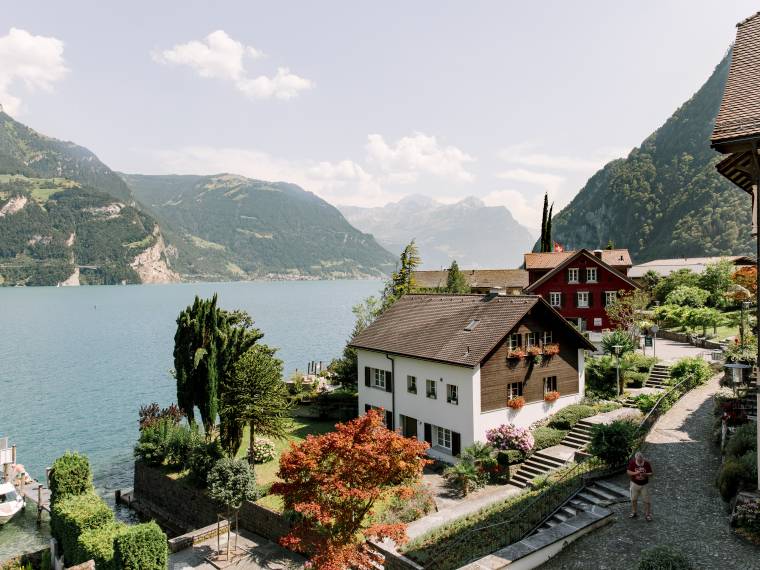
<point>572,275</point>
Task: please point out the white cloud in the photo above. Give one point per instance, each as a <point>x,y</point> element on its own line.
<point>35,61</point>
<point>221,57</point>
<point>527,155</point>
<point>525,209</point>
<point>418,154</point>
<point>550,182</point>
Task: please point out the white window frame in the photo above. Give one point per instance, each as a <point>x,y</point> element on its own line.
<point>441,438</point>
<point>431,388</point>
<point>581,304</point>
<point>547,387</point>
<point>378,378</point>
<point>555,299</point>
<point>411,384</point>
<point>589,271</point>
<point>515,341</point>
<point>532,339</point>
<point>514,389</point>
<point>548,337</point>
<point>610,297</point>
<point>452,394</point>
<point>572,275</point>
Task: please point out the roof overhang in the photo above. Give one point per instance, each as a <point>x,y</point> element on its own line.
<point>569,260</point>
<point>401,354</point>
<point>742,168</point>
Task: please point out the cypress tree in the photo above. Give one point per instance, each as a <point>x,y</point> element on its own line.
<point>549,245</point>
<point>543,242</point>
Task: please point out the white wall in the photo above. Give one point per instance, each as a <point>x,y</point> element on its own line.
<point>528,414</point>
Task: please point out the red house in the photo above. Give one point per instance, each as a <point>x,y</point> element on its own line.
<point>580,284</point>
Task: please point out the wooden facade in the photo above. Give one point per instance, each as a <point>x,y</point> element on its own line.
<point>497,372</point>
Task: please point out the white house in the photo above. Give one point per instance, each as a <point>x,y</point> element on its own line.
<point>443,367</point>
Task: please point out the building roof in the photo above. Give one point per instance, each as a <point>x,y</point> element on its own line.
<point>434,327</point>
<point>739,114</point>
<point>507,278</point>
<point>665,267</point>
<point>586,253</point>
<point>550,260</point>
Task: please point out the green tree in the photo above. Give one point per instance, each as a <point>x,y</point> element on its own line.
<point>231,483</point>
<point>545,244</point>
<point>256,396</point>
<point>207,343</point>
<point>402,280</point>
<point>703,317</point>
<point>716,280</point>
<point>687,296</point>
<point>456,282</point>
<point>676,279</point>
<point>627,309</point>
<point>650,279</point>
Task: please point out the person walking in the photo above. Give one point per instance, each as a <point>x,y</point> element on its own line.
<point>640,472</point>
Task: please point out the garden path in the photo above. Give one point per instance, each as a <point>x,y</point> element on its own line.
<point>689,513</point>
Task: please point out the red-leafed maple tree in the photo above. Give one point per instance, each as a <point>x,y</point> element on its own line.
<point>333,481</point>
<point>747,278</point>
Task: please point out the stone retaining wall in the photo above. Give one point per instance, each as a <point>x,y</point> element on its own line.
<point>190,508</point>
<point>687,338</point>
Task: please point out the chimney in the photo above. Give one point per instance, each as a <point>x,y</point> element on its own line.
<point>598,253</point>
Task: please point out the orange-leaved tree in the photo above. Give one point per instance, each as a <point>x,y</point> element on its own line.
<point>332,482</point>
<point>747,278</point>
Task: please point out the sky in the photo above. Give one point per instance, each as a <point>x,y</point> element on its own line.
<point>364,103</point>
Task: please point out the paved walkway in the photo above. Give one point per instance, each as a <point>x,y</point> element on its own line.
<point>689,513</point>
<point>671,350</point>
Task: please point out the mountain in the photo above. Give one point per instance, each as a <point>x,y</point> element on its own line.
<point>66,217</point>
<point>230,227</point>
<point>476,235</point>
<point>665,199</point>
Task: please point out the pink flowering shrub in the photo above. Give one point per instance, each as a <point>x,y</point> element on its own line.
<point>508,436</point>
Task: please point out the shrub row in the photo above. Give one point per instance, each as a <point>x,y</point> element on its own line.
<point>544,437</point>
<point>567,417</point>
<point>70,474</point>
<point>739,470</point>
<point>72,516</point>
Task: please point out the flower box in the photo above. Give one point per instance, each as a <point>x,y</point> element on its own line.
<point>551,349</point>
<point>516,403</point>
<point>534,351</point>
<point>516,353</point>
<point>551,396</point>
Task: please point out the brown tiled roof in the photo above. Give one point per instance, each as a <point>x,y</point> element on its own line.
<point>665,267</point>
<point>739,114</point>
<point>432,327</point>
<point>584,252</point>
<point>550,260</point>
<point>507,278</point>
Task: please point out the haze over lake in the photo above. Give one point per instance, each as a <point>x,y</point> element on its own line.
<point>77,363</point>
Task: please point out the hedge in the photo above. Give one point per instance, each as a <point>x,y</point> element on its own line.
<point>70,475</point>
<point>567,417</point>
<point>96,544</point>
<point>73,515</point>
<point>141,547</point>
<point>635,379</point>
<point>544,437</point>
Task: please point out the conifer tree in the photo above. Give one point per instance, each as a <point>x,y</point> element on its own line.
<point>456,282</point>
<point>545,242</point>
<point>402,281</point>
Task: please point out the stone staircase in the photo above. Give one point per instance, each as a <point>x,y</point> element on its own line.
<point>537,465</point>
<point>580,436</point>
<point>596,494</point>
<point>659,377</point>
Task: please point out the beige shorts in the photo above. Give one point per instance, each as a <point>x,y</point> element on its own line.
<point>640,491</point>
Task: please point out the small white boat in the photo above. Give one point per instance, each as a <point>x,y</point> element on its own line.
<point>10,502</point>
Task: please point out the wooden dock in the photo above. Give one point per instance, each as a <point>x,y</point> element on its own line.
<point>39,495</point>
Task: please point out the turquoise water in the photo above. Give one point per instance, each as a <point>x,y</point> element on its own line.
<point>76,363</point>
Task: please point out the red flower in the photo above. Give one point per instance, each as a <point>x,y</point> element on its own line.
<point>516,403</point>
<point>551,396</point>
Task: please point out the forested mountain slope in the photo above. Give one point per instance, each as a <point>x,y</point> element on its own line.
<point>665,199</point>
<point>231,227</point>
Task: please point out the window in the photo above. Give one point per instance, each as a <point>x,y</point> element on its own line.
<point>531,339</point>
<point>582,299</point>
<point>514,341</point>
<point>452,394</point>
<point>555,299</point>
<point>572,275</point>
<point>411,384</point>
<point>547,337</point>
<point>610,297</point>
<point>443,437</point>
<point>471,325</point>
<point>550,384</point>
<point>514,389</point>
<point>378,378</point>
<point>431,389</point>
<point>591,274</point>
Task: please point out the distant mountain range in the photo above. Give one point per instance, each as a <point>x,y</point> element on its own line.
<point>665,199</point>
<point>66,217</point>
<point>476,235</point>
<point>230,227</point>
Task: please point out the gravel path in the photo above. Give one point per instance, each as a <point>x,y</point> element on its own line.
<point>689,514</point>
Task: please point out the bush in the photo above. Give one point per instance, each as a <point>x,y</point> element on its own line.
<point>544,437</point>
<point>663,558</point>
<point>686,296</point>
<point>153,413</point>
<point>743,440</point>
<point>513,456</point>
<point>638,362</point>
<point>749,460</point>
<point>732,477</point>
<point>153,444</point>
<point>263,450</point>
<point>97,545</point>
<point>635,379</point>
<point>620,338</point>
<point>203,456</point>
<point>600,377</point>
<point>603,407</point>
<point>70,475</point>
<point>182,438</point>
<point>71,516</point>
<point>141,547</point>
<point>645,402</point>
<point>408,509</point>
<point>463,476</point>
<point>748,516</point>
<point>613,443</point>
<point>567,417</point>
<point>695,371</point>
<point>508,436</point>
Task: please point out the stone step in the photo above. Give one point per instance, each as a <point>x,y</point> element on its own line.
<point>612,488</point>
<point>575,441</point>
<point>589,498</point>
<point>549,463</point>
<point>548,458</point>
<point>533,470</point>
<point>601,493</point>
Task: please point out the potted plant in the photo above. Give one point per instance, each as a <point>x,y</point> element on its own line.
<point>551,349</point>
<point>534,351</point>
<point>516,403</point>
<point>516,353</point>
<point>552,396</point>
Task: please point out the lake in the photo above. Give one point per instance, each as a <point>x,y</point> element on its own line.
<point>76,363</point>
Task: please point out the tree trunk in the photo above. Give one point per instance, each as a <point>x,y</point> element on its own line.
<point>251,443</point>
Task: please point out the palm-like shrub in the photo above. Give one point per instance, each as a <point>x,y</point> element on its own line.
<point>618,338</point>
<point>463,476</point>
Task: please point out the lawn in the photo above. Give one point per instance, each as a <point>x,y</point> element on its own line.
<point>266,473</point>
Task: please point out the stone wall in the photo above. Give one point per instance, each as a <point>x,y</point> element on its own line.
<point>189,508</point>
<point>683,337</point>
